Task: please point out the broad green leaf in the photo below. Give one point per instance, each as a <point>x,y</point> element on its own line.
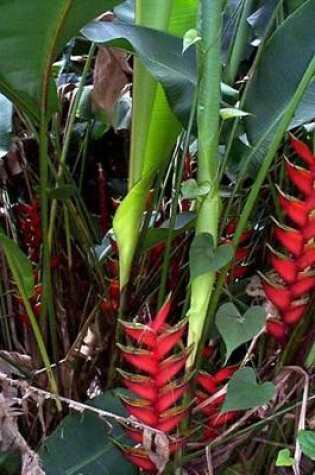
<point>243,391</point>
<point>205,257</point>
<point>284,458</point>
<point>191,190</point>
<point>281,68</point>
<point>306,440</point>
<point>237,329</point>
<point>10,463</point>
<point>82,443</point>
<point>126,11</point>
<point>232,112</point>
<point>161,55</point>
<point>6,111</point>
<point>190,38</point>
<point>20,265</point>
<point>32,34</point>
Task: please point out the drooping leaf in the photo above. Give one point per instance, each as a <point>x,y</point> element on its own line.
<point>284,458</point>
<point>161,54</point>
<point>20,265</point>
<point>205,257</point>
<point>82,443</point>
<point>306,439</point>
<point>237,329</point>
<point>126,11</point>
<point>26,59</point>
<point>6,111</point>
<point>243,391</point>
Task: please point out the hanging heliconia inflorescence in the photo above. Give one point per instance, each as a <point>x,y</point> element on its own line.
<point>210,398</point>
<point>294,268</point>
<point>157,356</point>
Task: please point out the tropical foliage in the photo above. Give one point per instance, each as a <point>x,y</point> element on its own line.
<point>157,233</point>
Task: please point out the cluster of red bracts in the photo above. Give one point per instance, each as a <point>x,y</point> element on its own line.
<point>295,271</point>
<point>110,305</point>
<point>240,266</point>
<point>155,352</point>
<point>35,302</point>
<point>30,229</point>
<point>210,399</point>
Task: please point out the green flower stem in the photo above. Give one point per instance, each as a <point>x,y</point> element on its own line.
<point>208,121</point>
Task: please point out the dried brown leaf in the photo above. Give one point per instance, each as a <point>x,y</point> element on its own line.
<point>110,77</point>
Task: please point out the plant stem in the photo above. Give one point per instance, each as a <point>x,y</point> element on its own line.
<point>208,121</point>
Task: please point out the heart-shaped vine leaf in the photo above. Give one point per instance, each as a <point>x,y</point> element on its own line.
<point>306,439</point>
<point>284,458</point>
<point>205,257</point>
<point>191,190</point>
<point>243,391</point>
<point>237,329</point>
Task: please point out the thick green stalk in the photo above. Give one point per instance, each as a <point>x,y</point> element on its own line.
<point>208,120</point>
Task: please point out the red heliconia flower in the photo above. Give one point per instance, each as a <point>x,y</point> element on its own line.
<point>35,302</point>
<point>209,385</point>
<point>240,266</point>
<point>29,219</point>
<point>153,350</point>
<point>295,268</point>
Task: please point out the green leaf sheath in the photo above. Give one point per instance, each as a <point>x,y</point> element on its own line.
<point>208,120</point>
<point>154,133</point>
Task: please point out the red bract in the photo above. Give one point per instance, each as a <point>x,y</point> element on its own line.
<point>289,294</point>
<point>153,350</point>
<point>239,267</point>
<point>210,385</point>
<point>30,228</point>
